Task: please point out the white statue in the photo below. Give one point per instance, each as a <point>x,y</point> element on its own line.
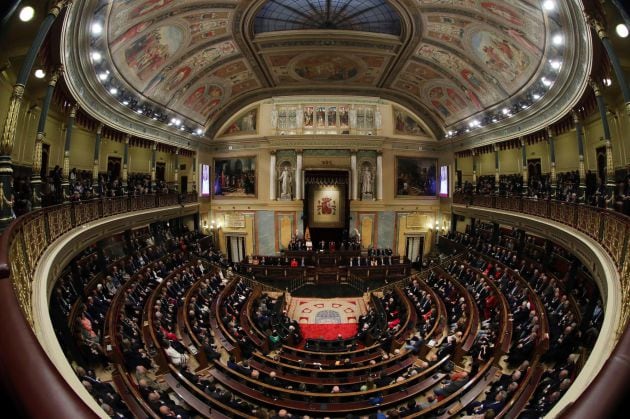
<point>285,179</point>
<point>366,181</point>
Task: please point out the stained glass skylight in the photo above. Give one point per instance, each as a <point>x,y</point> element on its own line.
<point>352,15</point>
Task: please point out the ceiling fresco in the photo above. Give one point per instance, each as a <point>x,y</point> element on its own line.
<point>450,59</point>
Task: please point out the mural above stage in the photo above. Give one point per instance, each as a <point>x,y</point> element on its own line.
<point>415,177</point>
<point>185,56</point>
<point>234,178</point>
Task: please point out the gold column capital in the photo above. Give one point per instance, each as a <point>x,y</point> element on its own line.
<point>58,7</point>
<point>54,76</point>
<point>73,110</point>
<point>8,135</point>
<point>576,116</point>
<point>598,26</point>
<point>597,89</point>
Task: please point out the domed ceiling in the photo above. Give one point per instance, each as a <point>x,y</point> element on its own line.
<point>201,61</point>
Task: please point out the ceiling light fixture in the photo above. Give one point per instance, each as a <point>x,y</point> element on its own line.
<point>607,82</point>
<point>557,39</point>
<point>622,30</point>
<point>505,111</point>
<point>549,5</point>
<point>199,131</point>
<point>96,56</point>
<point>555,64</point>
<point>536,96</point>
<point>40,74</point>
<point>103,76</point>
<point>113,90</point>
<point>96,28</point>
<point>27,13</point>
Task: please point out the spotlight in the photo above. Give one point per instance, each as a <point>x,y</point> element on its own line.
<point>622,30</point>
<point>607,82</point>
<point>549,5</point>
<point>505,111</point>
<point>113,91</point>
<point>557,39</point>
<point>536,96</point>
<point>40,74</point>
<point>96,28</point>
<point>545,82</point>
<point>139,111</point>
<point>199,131</point>
<point>103,76</point>
<point>27,13</point>
<point>125,102</point>
<point>555,64</point>
<point>96,56</point>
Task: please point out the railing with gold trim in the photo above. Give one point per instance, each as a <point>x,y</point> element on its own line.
<point>32,233</point>
<point>610,229</point>
<point>22,359</point>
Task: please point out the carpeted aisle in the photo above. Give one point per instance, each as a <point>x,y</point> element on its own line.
<point>328,331</point>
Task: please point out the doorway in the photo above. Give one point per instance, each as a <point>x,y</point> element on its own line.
<point>45,155</point>
<point>113,167</point>
<point>601,163</point>
<point>183,184</point>
<point>160,171</point>
<point>414,248</point>
<point>235,248</point>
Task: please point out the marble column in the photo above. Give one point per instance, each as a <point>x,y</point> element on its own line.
<point>614,60</point>
<point>97,154</point>
<point>610,169</point>
<point>194,173</point>
<point>298,175</point>
<point>496,169</point>
<point>176,171</point>
<point>125,169</point>
<point>65,179</point>
<point>474,165</point>
<point>552,158</point>
<point>525,172</point>
<point>154,167</point>
<point>580,143</point>
<point>36,179</point>
<point>7,141</point>
<point>379,176</point>
<point>272,175</point>
<point>353,172</point>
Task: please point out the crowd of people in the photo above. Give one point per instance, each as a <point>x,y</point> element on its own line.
<point>81,187</point>
<point>595,192</point>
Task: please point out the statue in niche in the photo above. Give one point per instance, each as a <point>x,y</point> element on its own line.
<point>285,182</point>
<point>367,180</point>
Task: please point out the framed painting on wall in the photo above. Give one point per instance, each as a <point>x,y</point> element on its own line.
<point>234,177</point>
<point>327,206</point>
<point>415,177</point>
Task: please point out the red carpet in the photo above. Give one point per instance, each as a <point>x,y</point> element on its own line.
<point>328,331</point>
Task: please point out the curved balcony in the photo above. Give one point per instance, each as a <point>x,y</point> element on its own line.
<point>599,238</point>
<point>34,246</point>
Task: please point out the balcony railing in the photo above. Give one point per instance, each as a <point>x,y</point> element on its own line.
<point>27,237</point>
<point>611,230</point>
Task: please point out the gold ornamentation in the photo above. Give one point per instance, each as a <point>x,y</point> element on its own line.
<point>20,277</point>
<point>8,135</point>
